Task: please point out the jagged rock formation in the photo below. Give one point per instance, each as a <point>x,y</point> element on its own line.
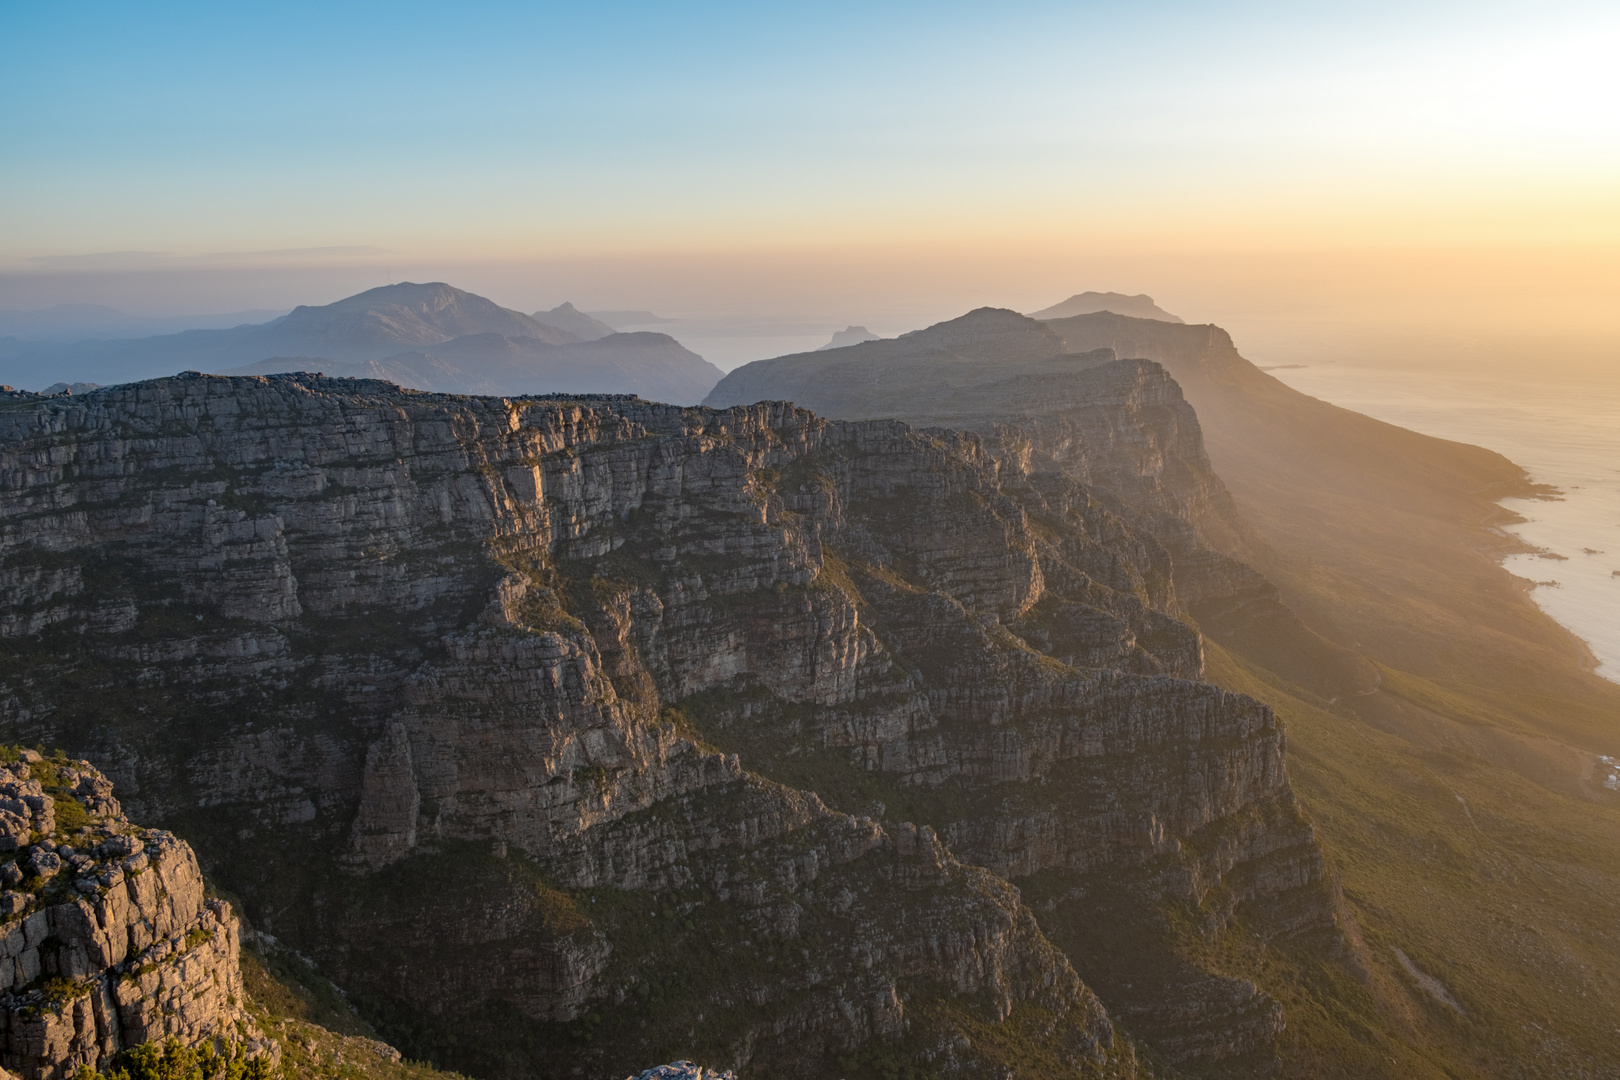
<point>728,725</point>
<point>109,940</point>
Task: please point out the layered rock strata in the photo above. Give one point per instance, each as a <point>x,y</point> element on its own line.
<point>110,940</point>
<point>655,692</point>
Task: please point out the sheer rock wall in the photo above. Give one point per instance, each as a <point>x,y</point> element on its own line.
<point>570,651</point>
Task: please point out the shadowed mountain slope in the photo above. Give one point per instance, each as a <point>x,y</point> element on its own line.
<point>1380,536</point>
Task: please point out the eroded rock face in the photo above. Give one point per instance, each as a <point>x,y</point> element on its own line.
<point>113,943</point>
<point>490,704</point>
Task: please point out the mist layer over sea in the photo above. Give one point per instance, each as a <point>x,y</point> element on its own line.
<point>1562,426</point>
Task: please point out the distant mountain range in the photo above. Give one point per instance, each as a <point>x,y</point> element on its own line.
<point>1140,306</point>
<point>425,336</point>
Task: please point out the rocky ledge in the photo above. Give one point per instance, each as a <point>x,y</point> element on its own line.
<point>110,940</point>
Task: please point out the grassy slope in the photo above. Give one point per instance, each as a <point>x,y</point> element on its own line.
<point>1507,893</point>
<point>1457,801</point>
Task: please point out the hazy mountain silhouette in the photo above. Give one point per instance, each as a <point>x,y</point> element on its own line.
<point>426,336</point>
<point>1140,306</point>
<point>656,366</point>
<point>566,316</point>
<point>893,376</point>
<point>852,335</point>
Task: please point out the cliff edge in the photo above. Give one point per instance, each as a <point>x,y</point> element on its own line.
<point>110,939</point>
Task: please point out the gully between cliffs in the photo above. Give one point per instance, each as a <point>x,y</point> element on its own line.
<point>570,733</point>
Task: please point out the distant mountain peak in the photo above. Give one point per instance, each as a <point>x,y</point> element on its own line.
<point>852,335</point>
<point>409,313</point>
<point>565,316</point>
<point>989,333</point>
<point>1140,306</point>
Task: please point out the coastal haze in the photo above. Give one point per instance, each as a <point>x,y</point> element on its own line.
<point>1045,541</point>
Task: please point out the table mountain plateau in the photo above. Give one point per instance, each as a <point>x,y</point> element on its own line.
<point>430,336</point>
<point>569,734</point>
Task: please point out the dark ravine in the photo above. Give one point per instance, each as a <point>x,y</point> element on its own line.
<point>571,734</point>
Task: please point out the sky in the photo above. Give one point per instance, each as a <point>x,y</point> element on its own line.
<point>1415,165</point>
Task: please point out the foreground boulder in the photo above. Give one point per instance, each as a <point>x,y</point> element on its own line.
<point>110,940</point>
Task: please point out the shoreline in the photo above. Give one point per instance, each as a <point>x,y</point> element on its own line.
<point>1561,514</point>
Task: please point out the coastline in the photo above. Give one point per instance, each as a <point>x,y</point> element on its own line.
<point>1564,533</point>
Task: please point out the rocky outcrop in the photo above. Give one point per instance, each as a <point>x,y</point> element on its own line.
<point>631,726</point>
<point>683,1070</point>
<point>110,940</point>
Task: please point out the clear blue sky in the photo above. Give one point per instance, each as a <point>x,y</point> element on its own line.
<point>505,131</point>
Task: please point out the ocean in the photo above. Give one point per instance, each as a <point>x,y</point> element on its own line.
<point>1561,426</point>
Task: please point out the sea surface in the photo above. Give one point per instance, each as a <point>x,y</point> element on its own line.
<point>1561,426</point>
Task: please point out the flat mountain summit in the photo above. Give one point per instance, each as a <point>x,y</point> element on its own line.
<point>1140,306</point>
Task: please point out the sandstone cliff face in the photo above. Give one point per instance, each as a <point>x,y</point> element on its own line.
<point>1119,426</point>
<point>490,704</point>
<point>109,940</point>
